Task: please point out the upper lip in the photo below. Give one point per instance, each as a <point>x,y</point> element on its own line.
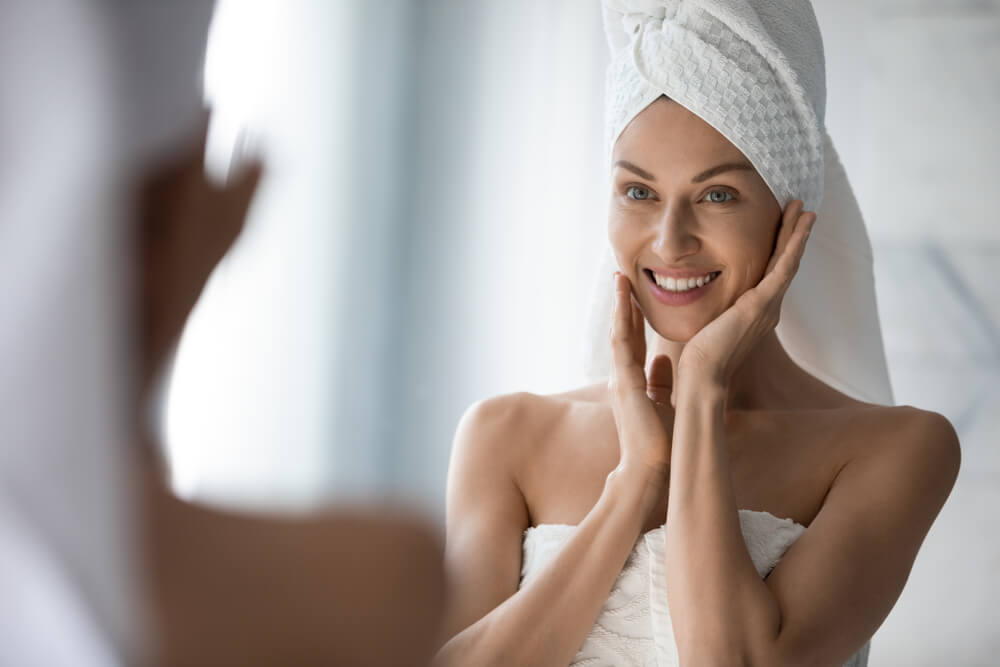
<point>680,273</point>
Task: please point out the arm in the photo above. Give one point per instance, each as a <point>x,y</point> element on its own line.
<point>840,580</point>
<point>721,609</point>
<point>490,621</point>
<point>837,583</point>
<point>324,589</point>
<point>718,600</point>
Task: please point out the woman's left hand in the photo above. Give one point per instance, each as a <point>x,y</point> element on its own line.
<point>715,352</point>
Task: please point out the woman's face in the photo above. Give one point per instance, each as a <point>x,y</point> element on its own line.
<point>687,204</point>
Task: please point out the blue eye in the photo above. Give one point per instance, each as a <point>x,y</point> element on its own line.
<point>713,200</point>
<point>638,193</point>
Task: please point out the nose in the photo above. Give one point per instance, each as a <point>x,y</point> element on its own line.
<point>676,235</point>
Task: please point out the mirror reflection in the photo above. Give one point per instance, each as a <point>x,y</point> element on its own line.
<point>507,317</point>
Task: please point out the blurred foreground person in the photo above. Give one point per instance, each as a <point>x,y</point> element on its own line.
<point>249,590</point>
<point>107,219</point>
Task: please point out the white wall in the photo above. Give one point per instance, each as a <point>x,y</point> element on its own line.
<point>913,101</point>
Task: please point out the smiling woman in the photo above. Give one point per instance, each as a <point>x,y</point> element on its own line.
<point>714,459</point>
<point>719,221</point>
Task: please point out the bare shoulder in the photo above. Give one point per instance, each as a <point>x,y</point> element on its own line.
<point>904,428</point>
<point>869,431</point>
<point>929,437</point>
<point>912,446</point>
<point>486,507</point>
<point>511,426</point>
<point>851,564</point>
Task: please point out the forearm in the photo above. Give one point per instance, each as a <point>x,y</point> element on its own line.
<point>721,608</point>
<point>231,589</point>
<point>545,622</point>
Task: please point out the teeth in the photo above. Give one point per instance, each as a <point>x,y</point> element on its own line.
<point>682,284</point>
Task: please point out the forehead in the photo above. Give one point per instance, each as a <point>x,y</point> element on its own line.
<point>666,133</point>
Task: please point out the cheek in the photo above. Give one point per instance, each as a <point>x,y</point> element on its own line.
<point>625,237</point>
<point>752,251</point>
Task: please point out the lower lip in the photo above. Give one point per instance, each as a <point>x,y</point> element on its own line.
<point>678,298</point>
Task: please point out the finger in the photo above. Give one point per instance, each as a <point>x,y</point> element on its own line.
<point>240,193</point>
<point>245,153</point>
<point>620,321</point>
<point>660,379</point>
<point>638,331</point>
<point>626,371</point>
<point>236,200</point>
<point>787,264</point>
<point>638,319</point>
<point>788,221</point>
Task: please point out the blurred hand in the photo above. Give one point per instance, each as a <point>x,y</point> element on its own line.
<point>186,225</point>
<point>360,586</point>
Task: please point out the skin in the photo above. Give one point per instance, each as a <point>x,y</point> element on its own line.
<point>238,589</point>
<point>709,416</point>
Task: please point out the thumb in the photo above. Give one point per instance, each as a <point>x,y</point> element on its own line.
<point>660,379</point>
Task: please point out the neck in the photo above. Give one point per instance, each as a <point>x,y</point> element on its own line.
<point>767,378</point>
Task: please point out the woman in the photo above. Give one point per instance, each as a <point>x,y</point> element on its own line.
<point>571,516</point>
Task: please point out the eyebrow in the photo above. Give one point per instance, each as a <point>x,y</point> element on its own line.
<point>703,176</point>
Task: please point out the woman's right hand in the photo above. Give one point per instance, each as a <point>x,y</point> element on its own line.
<point>643,412</point>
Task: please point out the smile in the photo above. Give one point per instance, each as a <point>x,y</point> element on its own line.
<point>679,291</point>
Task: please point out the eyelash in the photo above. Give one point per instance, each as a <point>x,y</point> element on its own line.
<point>648,197</point>
<point>630,188</point>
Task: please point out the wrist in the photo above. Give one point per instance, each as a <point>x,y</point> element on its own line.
<point>703,389</point>
<point>637,485</point>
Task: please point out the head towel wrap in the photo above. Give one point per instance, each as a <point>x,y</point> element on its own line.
<point>754,70</point>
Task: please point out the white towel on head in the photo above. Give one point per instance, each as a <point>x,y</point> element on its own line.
<point>755,71</point>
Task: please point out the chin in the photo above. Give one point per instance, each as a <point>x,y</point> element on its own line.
<point>675,331</point>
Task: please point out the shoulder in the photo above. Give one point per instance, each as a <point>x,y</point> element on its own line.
<point>904,430</point>
<point>927,438</point>
<point>916,451</point>
<point>867,534</point>
<point>509,424</point>
<point>486,511</point>
<point>875,448</point>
